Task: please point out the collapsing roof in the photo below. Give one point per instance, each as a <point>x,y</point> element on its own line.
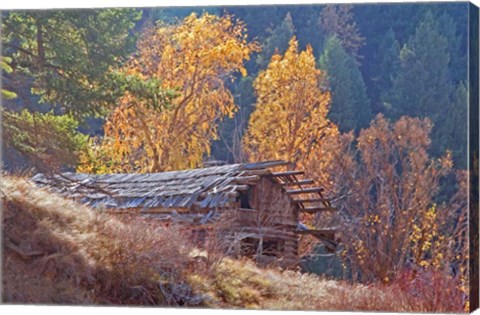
<point>205,189</point>
<point>208,187</point>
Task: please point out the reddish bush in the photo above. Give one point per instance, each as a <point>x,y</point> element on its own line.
<point>430,290</point>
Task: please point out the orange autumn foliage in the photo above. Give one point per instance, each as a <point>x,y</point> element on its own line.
<point>387,190</point>
<point>290,118</point>
<point>193,58</point>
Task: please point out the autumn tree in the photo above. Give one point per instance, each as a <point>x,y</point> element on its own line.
<point>338,20</point>
<point>387,188</point>
<point>290,117</point>
<point>229,145</point>
<point>192,60</point>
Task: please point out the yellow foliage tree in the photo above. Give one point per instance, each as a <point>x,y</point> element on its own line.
<point>387,188</point>
<point>194,58</point>
<point>290,119</point>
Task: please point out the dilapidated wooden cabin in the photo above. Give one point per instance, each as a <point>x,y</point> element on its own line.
<point>262,205</point>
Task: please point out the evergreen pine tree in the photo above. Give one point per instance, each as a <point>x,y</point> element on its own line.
<point>452,131</point>
<point>425,85</point>
<point>350,108</point>
<point>421,87</point>
<point>458,58</point>
<point>387,64</point>
<point>277,41</point>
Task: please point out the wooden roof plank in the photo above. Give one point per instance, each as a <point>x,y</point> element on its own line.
<point>277,174</point>
<point>299,183</point>
<point>265,164</point>
<point>305,191</point>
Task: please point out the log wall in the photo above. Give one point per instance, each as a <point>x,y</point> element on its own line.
<point>272,218</point>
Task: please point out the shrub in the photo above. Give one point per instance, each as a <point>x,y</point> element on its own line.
<point>72,254</point>
<point>387,187</point>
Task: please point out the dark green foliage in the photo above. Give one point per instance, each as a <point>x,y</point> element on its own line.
<point>425,84</point>
<point>47,141</point>
<point>65,56</point>
<point>422,86</point>
<point>387,64</point>
<point>452,130</point>
<point>148,90</point>
<point>350,107</point>
<point>306,25</point>
<point>63,59</point>
<point>276,42</point>
<point>458,58</point>
<point>5,67</point>
<point>374,20</point>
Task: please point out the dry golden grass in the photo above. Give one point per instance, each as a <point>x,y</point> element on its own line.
<point>241,284</point>
<point>58,252</point>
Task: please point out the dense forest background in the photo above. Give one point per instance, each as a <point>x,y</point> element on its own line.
<point>395,59</point>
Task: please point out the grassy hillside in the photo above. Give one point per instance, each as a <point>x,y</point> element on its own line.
<point>58,252</point>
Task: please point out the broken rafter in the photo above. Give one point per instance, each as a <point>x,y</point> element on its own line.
<point>267,164</point>
<point>247,178</point>
<point>261,172</point>
<point>289,173</point>
<point>241,187</point>
<point>305,191</point>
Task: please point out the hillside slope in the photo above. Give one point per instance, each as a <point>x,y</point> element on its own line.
<point>58,252</point>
